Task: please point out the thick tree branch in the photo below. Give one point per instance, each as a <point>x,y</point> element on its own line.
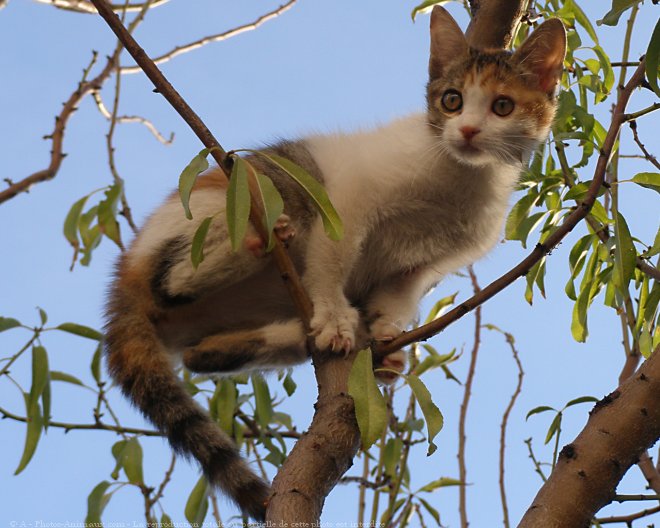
<point>424,332</point>
<point>620,428</point>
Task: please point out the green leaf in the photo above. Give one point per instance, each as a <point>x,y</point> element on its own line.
<point>391,456</point>
<point>132,461</point>
<point>273,205</point>
<point>198,503</point>
<point>653,59</point>
<point>238,202</point>
<point>554,428</point>
<point>582,19</point>
<point>331,221</point>
<point>188,176</point>
<point>56,375</point>
<point>619,7</point>
<point>650,180</point>
<point>95,366</point>
<point>7,323</point>
<point>439,307</point>
<point>442,482</point>
<point>107,213</point>
<point>71,222</point>
<point>538,410</point>
<point>289,385</point>
<point>43,316</point>
<point>432,414</point>
<point>653,250</point>
<point>625,256</point>
<point>263,401</point>
<point>226,404</point>
<point>581,399</point>
<point>606,67</point>
<point>96,502</point>
<point>34,428</point>
<point>39,374</point>
<point>432,511</point>
<point>433,360</point>
<point>645,342</point>
<point>426,6</point>
<point>80,330</point>
<point>370,406</point>
<point>518,214</point>
<point>579,328</point>
<point>197,249</point>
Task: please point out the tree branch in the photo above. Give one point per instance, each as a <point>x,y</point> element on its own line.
<point>179,50</point>
<point>620,428</point>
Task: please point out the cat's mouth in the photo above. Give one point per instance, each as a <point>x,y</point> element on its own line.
<point>468,148</point>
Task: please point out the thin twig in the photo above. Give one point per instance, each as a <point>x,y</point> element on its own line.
<point>647,155</point>
<point>462,469</point>
<point>85,6</point>
<point>628,519</point>
<point>503,426</point>
<point>132,119</point>
<point>178,50</point>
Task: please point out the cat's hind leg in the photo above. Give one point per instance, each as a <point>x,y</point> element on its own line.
<point>276,345</point>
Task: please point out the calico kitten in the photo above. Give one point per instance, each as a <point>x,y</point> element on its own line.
<point>419,198</point>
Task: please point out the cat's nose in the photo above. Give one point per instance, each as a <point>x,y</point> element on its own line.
<point>469,132</point>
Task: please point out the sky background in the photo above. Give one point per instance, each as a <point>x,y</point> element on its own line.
<point>322,66</point>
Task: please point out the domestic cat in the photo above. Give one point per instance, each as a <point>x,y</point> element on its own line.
<point>419,198</point>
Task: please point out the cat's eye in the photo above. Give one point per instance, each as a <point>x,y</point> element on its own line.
<point>503,106</point>
<point>452,101</point>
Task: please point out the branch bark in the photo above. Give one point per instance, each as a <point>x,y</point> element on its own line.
<point>620,428</point>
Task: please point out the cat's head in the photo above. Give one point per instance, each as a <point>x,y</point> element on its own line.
<point>492,106</point>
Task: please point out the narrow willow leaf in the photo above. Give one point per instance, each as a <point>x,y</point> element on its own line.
<point>43,316</point>
<point>433,416</point>
<point>197,249</point>
<point>132,461</point>
<point>625,256</point>
<point>555,428</point>
<point>273,205</point>
<point>653,250</point>
<point>581,399</point>
<point>426,6</point>
<point>188,176</point>
<point>439,307</point>
<point>391,456</point>
<point>645,342</point>
<point>433,360</point>
<point>263,401</point>
<point>70,228</point>
<point>518,214</point>
<point>118,453</point>
<point>96,502</point>
<point>650,305</point>
<point>606,67</point>
<point>650,180</point>
<point>39,374</point>
<point>226,405</point>
<point>619,7</point>
<point>289,385</point>
<point>95,366</point>
<point>653,59</point>
<point>538,410</point>
<point>56,375</point>
<point>370,405</point>
<point>331,221</point>
<point>7,323</point>
<point>238,202</point>
<point>107,213</point>
<point>80,330</point>
<point>579,328</point>
<point>34,428</point>
<point>442,482</point>
<point>45,404</point>
<point>198,503</point>
<point>432,511</point>
<point>582,19</point>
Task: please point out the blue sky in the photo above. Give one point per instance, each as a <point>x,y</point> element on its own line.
<point>322,66</point>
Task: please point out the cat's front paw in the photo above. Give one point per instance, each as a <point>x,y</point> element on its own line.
<point>334,327</point>
<point>283,229</point>
<point>393,365</point>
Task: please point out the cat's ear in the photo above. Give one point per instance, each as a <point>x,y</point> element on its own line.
<point>447,42</point>
<point>543,54</point>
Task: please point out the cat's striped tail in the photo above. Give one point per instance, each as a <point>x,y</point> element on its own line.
<point>139,363</point>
